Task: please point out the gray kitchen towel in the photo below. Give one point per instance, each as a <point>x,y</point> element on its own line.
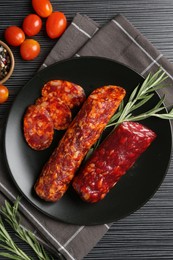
<point>118,40</point>
<point>81,29</point>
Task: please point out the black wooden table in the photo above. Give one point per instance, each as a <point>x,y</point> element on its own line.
<point>148,233</point>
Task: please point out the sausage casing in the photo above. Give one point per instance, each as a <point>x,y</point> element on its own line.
<point>82,133</point>
<point>111,160</point>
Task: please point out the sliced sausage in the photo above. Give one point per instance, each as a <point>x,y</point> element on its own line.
<point>83,132</point>
<point>111,160</point>
<point>72,94</point>
<point>59,112</point>
<point>38,127</point>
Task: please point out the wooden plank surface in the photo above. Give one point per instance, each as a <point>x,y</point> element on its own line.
<point>148,233</point>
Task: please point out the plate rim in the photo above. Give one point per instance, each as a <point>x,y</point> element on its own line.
<point>5,141</point>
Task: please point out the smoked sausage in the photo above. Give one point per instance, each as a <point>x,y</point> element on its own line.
<point>111,160</point>
<point>82,133</point>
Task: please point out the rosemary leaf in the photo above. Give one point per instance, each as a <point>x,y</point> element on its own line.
<point>10,256</point>
<point>12,216</point>
<point>142,102</point>
<point>116,115</point>
<point>17,253</point>
<point>139,97</point>
<point>133,94</point>
<point>8,244</point>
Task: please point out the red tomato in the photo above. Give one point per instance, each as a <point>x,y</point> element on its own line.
<point>56,24</point>
<point>42,7</point>
<point>29,49</point>
<point>3,94</point>
<point>14,35</point>
<point>32,24</point>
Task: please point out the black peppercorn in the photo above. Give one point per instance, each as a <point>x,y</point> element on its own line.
<point>5,62</point>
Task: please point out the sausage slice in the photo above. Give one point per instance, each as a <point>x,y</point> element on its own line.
<point>38,127</point>
<point>59,112</point>
<point>71,94</point>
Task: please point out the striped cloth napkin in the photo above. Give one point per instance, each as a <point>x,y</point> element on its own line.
<point>118,40</point>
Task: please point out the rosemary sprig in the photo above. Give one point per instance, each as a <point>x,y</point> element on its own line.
<point>139,97</point>
<point>7,243</point>
<point>12,216</point>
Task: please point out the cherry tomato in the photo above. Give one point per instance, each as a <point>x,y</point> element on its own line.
<point>56,24</point>
<point>32,24</point>
<point>14,35</point>
<point>4,93</point>
<point>29,49</point>
<point>42,7</point>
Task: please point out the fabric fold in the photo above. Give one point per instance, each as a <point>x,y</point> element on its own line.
<point>81,29</point>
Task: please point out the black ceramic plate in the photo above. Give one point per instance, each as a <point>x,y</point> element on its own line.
<point>132,191</point>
